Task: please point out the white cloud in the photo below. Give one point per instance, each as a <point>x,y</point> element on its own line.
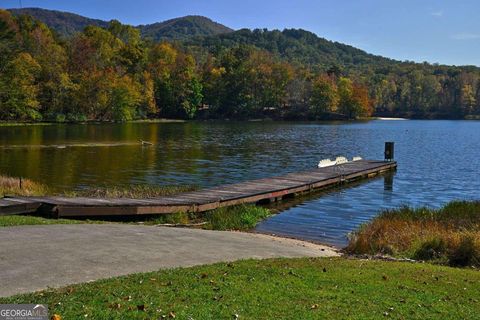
<point>437,13</point>
<point>466,36</point>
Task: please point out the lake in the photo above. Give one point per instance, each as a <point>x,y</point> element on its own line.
<point>438,161</point>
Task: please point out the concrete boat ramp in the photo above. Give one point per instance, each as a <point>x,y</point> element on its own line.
<point>36,257</point>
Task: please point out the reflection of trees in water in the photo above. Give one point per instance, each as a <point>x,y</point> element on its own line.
<point>102,162</point>
<point>204,153</point>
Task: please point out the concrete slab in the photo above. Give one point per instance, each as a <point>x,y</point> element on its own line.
<point>36,257</point>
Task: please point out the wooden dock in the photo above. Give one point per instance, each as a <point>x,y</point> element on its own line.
<point>261,190</point>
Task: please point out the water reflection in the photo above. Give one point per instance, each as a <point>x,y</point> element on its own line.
<point>328,216</point>
<point>437,162</point>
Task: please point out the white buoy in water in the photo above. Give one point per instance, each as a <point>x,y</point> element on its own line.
<point>146,143</point>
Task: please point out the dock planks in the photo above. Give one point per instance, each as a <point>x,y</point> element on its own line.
<point>266,189</point>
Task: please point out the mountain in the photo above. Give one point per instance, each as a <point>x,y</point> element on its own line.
<point>294,45</point>
<point>67,24</point>
<point>182,28</point>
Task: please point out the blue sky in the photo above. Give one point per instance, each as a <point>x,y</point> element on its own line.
<point>443,31</point>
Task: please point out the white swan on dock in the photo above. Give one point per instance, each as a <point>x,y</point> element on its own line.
<point>341,160</point>
<point>326,163</point>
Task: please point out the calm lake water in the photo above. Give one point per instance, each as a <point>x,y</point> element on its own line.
<point>438,161</point>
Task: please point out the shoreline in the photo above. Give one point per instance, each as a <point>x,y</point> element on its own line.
<point>254,120</point>
<point>309,241</point>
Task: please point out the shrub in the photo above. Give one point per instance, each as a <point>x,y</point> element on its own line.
<point>433,249</point>
<point>20,187</point>
<point>242,217</point>
<point>467,253</point>
<point>173,218</point>
<point>449,235</point>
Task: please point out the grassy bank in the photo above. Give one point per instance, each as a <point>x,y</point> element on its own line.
<point>49,123</point>
<point>242,217</point>
<point>274,289</point>
<point>17,123</point>
<point>21,187</point>
<point>17,220</point>
<point>239,218</point>
<point>133,191</point>
<point>13,186</point>
<point>450,235</point>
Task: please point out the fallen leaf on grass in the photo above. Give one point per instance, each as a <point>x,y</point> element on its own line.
<point>114,305</point>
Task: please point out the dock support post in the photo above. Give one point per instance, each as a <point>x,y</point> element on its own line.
<point>389,150</point>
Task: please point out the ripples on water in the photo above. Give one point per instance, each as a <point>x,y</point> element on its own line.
<point>438,161</point>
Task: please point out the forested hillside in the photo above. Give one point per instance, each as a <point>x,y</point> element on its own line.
<point>113,73</point>
<point>182,28</point>
<point>296,46</point>
<point>67,24</point>
<point>64,23</point>
<point>395,88</point>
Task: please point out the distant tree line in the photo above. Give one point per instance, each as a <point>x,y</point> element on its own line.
<point>111,73</point>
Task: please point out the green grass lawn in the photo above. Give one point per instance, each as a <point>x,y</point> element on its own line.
<point>324,288</point>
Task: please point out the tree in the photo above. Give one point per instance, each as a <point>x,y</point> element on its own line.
<point>354,99</point>
<point>467,99</point>
<point>345,92</point>
<point>361,102</point>
<point>125,98</point>
<point>148,106</point>
<point>9,44</point>
<point>18,89</point>
<point>324,96</point>
<point>178,91</point>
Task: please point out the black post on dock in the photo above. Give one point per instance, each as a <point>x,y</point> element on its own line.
<point>389,150</point>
